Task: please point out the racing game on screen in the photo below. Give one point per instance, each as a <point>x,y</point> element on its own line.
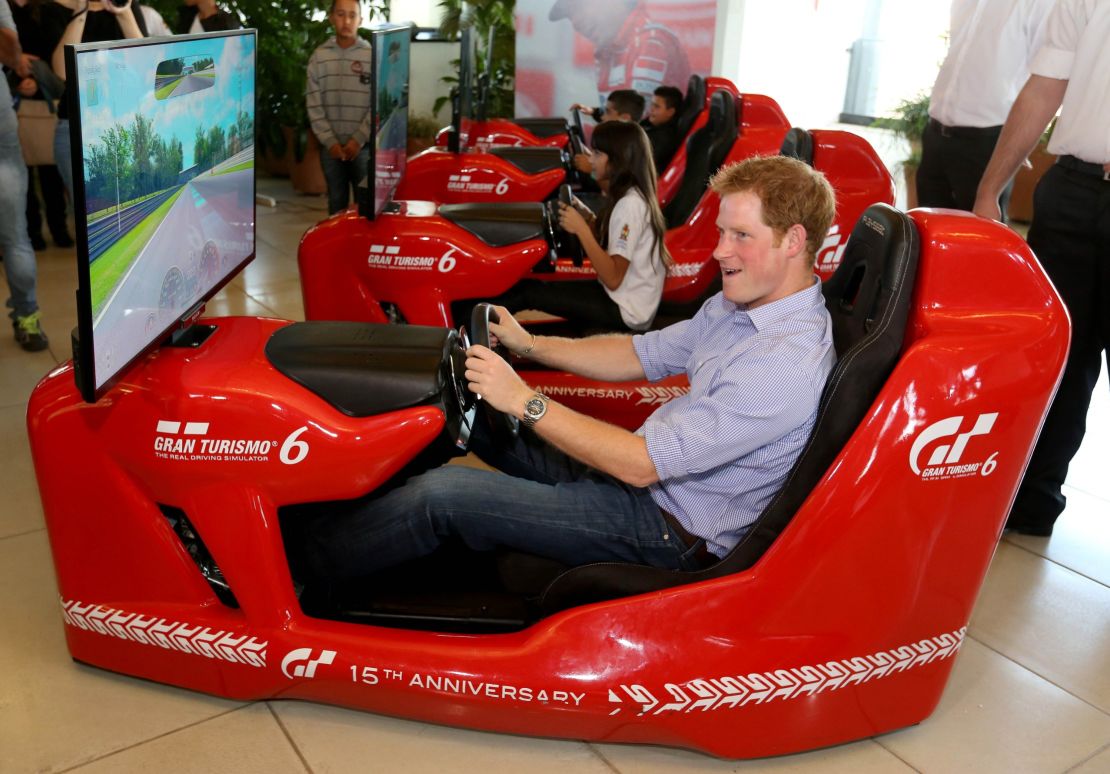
<point>167,152</point>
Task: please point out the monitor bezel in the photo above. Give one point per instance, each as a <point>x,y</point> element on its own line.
<point>84,358</point>
<point>378,32</point>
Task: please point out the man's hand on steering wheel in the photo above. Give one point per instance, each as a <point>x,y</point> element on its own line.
<point>490,377</point>
<point>508,332</point>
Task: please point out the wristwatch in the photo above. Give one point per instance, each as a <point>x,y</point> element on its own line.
<point>534,409</point>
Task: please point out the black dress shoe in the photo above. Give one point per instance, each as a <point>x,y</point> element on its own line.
<point>1032,528</point>
<point>63,240</point>
<point>38,243</point>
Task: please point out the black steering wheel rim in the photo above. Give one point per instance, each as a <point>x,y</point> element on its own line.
<point>480,319</point>
<point>577,145</point>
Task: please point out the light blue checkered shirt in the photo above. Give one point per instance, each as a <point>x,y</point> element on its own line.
<point>723,450</point>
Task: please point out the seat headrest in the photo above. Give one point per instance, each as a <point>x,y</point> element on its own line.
<point>722,111</point>
<point>798,144</point>
<point>692,104</point>
<point>868,289</point>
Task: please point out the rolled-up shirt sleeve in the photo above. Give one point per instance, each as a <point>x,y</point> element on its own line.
<point>1056,56</point>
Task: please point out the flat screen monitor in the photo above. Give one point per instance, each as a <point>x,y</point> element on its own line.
<point>391,45</point>
<point>162,132</point>
<point>462,96</point>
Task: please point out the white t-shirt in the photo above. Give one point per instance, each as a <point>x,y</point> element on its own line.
<point>631,237</point>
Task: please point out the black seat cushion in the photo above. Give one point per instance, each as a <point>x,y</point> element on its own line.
<point>868,299</point>
<point>498,223</point>
<point>706,150</point>
<point>798,144</point>
<point>363,369</point>
<point>692,104</point>
<point>530,161</point>
<point>543,127</point>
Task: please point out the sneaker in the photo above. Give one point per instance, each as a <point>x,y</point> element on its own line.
<point>28,333</point>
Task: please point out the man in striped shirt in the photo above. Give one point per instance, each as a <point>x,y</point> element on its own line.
<point>682,490</point>
<point>337,95</point>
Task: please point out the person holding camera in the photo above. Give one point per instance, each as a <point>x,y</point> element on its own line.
<point>204,16</point>
<point>84,21</point>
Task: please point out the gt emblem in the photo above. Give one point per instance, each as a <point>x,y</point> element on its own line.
<point>306,670</point>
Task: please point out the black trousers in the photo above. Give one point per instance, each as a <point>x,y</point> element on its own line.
<point>952,163</point>
<point>583,302</point>
<point>54,201</point>
<point>1070,235</point>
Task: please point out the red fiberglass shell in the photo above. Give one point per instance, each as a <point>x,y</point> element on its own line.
<point>502,131</point>
<point>344,277</point>
<point>790,655</point>
<point>479,176</point>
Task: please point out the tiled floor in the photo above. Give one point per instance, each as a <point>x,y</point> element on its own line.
<point>1030,691</point>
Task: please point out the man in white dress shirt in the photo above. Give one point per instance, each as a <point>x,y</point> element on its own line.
<point>1070,233</point>
<point>992,45</point>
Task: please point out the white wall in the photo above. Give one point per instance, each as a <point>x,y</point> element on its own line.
<point>425,13</point>
<point>797,51</point>
<point>430,61</point>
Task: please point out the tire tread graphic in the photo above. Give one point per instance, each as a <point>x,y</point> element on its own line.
<point>733,691</point>
<point>172,635</point>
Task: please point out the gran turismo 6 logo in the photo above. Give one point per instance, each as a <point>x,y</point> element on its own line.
<point>303,664</point>
<point>947,460</point>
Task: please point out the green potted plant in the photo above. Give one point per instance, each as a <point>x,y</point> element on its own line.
<point>908,120</point>
<point>422,133</point>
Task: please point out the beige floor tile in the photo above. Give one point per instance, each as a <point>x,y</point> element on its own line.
<point>20,371</point>
<point>1081,538</point>
<point>1088,469</point>
<point>269,265</point>
<point>54,713</point>
<point>1048,619</point>
<point>21,510</point>
<point>243,741</point>
<point>282,299</point>
<point>332,739</point>
<point>996,716</point>
<point>859,758</point>
<point>234,301</point>
<point>1098,764</point>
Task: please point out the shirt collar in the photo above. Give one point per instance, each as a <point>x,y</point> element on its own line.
<point>767,315</point>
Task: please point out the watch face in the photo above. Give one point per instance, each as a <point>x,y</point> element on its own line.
<point>534,407</point>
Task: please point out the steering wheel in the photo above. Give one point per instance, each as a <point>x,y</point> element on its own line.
<point>480,319</point>
<point>577,136</point>
<point>577,145</point>
<point>563,242</point>
<point>465,400</point>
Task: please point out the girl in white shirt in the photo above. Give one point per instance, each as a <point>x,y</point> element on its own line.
<point>624,241</point>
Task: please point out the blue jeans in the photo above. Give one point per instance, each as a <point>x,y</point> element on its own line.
<point>19,258</point>
<point>549,505</point>
<point>342,176</point>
